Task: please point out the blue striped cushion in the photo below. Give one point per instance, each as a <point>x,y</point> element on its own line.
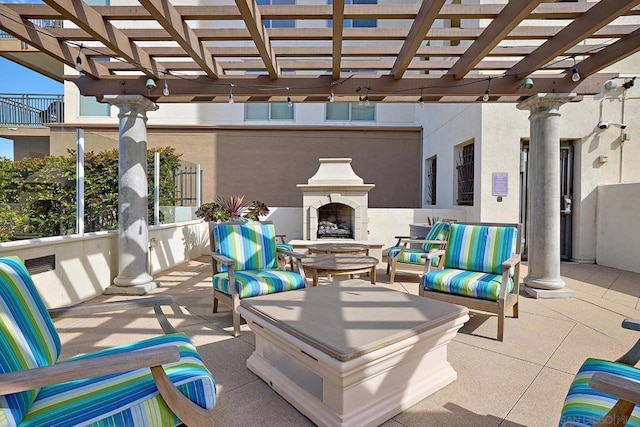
<point>467,283</point>
<point>285,246</point>
<point>128,398</point>
<point>480,248</point>
<point>252,245</point>
<point>252,283</point>
<point>28,336</point>
<point>411,256</point>
<point>584,406</point>
<point>439,231</point>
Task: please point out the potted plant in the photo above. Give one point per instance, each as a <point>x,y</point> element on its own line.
<point>232,208</point>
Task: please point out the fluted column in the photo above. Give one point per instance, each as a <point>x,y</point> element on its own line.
<point>543,231</point>
<point>133,241</point>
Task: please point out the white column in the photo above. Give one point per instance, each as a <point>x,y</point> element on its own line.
<point>543,235</point>
<point>133,241</point>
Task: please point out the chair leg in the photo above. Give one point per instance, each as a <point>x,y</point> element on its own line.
<point>235,303</point>
<point>501,307</point>
<point>515,310</point>
<point>215,304</point>
<point>388,267</point>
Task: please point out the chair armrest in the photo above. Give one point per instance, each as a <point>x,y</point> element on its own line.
<point>433,254</point>
<point>84,309</point>
<point>620,387</point>
<point>222,259</point>
<point>422,241</point>
<point>29,379</point>
<point>511,262</point>
<point>632,324</point>
<point>293,254</point>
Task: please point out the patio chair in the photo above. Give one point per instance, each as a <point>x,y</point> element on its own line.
<point>402,257</point>
<point>245,265</point>
<point>283,245</point>
<point>480,269</point>
<point>604,391</point>
<point>158,381</point>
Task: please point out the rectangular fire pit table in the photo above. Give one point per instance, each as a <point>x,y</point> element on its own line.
<point>352,354</point>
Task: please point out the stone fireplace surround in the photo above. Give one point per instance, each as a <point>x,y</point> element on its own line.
<point>335,182</point>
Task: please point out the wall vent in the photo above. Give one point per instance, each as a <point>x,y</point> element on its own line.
<point>40,264</point>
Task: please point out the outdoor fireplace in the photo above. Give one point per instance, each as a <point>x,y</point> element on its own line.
<point>335,202</point>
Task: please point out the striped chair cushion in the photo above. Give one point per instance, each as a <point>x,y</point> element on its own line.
<point>467,283</point>
<point>439,231</point>
<point>411,256</point>
<point>128,398</point>
<point>480,248</point>
<point>285,246</point>
<point>28,336</point>
<point>584,406</point>
<point>251,283</point>
<point>251,245</point>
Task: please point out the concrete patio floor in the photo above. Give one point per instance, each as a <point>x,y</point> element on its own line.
<point>519,382</point>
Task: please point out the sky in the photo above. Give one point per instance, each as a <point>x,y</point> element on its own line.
<point>16,79</point>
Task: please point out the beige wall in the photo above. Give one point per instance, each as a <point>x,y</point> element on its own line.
<point>618,226</point>
<point>266,164</point>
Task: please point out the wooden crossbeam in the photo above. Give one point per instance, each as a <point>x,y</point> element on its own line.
<point>81,14</point>
<point>172,22</point>
<point>253,21</point>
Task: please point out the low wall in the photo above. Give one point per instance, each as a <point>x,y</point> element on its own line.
<point>618,226</point>
<point>86,265</point>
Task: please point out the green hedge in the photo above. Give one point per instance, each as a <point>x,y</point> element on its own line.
<point>38,196</point>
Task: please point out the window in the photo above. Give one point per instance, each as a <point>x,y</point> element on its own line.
<point>465,175</point>
<point>350,112</point>
<point>432,169</point>
<point>357,23</point>
<point>277,23</point>
<point>89,106</point>
<point>268,111</point>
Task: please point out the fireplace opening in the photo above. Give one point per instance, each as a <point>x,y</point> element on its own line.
<point>335,221</point>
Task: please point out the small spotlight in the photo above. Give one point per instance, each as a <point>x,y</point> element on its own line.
<point>575,76</point>
<point>528,83</point>
<point>485,97</point>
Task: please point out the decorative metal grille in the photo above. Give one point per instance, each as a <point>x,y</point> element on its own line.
<point>465,176</point>
<point>431,181</point>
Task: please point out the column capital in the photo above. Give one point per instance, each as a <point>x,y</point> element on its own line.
<point>545,101</point>
<point>137,102</point>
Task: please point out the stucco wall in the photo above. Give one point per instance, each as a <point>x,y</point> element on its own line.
<point>618,226</point>
<point>86,265</point>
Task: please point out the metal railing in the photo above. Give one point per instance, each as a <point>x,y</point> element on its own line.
<point>31,109</point>
<point>43,23</point>
<point>186,186</point>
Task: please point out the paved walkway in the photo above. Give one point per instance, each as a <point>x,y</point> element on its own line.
<point>521,381</point>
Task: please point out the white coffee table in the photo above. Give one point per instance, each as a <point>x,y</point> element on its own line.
<point>352,354</point>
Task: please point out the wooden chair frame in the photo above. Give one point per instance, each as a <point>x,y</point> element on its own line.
<point>233,300</point>
<point>188,412</point>
<point>506,300</point>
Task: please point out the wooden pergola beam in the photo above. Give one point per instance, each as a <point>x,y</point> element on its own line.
<point>171,20</point>
<point>611,54</point>
<point>45,41</point>
<point>336,47</point>
<point>513,13</point>
<point>253,21</point>
<point>598,16</point>
<point>421,25</point>
<point>78,12</point>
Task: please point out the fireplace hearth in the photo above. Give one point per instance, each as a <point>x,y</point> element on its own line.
<point>335,202</point>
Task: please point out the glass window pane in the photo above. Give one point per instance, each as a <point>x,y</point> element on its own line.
<point>256,111</point>
<point>363,112</point>
<point>337,111</point>
<point>89,106</point>
<point>281,111</point>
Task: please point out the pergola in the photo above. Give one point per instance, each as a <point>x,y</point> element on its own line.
<point>537,54</point>
<point>431,50</point>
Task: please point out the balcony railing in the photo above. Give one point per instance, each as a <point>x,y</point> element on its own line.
<point>30,109</point>
<point>44,23</point>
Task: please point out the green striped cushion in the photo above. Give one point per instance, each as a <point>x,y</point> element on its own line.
<point>439,231</point>
<point>252,283</point>
<point>467,283</point>
<point>411,256</point>
<point>584,406</point>
<point>285,246</point>
<point>480,248</point>
<point>28,336</point>
<point>252,245</point>
<point>125,399</point>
